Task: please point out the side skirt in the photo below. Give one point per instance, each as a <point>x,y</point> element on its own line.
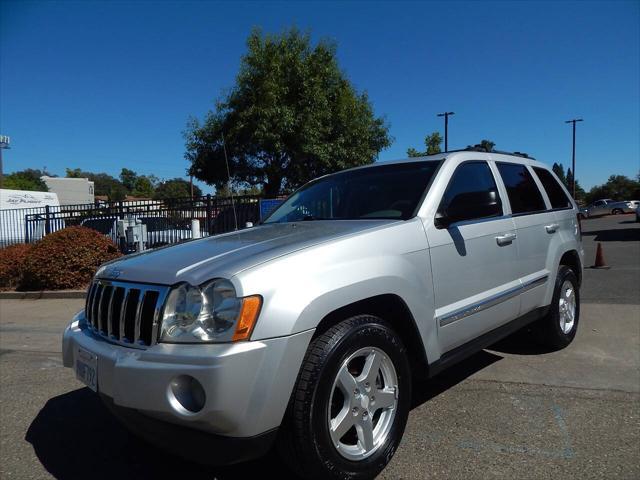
<point>483,341</point>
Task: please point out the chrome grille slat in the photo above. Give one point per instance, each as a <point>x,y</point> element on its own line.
<point>138,318</point>
<point>110,311</point>
<point>155,326</point>
<point>121,305</point>
<point>99,319</point>
<point>92,290</point>
<point>123,310</point>
<point>94,310</point>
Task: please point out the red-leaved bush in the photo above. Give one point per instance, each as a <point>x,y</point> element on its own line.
<point>67,258</point>
<point>12,260</point>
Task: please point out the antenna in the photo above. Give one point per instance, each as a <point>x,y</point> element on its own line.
<point>233,203</point>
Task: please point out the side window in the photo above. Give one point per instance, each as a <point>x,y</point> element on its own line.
<point>522,190</point>
<point>556,194</point>
<point>471,194</point>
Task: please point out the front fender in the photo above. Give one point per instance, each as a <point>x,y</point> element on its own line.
<point>299,290</point>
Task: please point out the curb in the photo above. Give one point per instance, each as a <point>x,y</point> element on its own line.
<point>44,294</point>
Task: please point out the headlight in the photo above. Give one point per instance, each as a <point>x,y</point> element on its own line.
<point>209,313</point>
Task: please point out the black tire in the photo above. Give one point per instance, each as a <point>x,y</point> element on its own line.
<point>548,329</point>
<point>304,442</point>
<point>616,211</point>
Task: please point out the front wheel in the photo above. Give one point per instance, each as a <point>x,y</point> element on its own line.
<point>616,211</point>
<point>350,404</point>
<point>558,328</point>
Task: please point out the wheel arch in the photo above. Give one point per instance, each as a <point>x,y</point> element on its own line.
<point>571,259</point>
<point>393,309</point>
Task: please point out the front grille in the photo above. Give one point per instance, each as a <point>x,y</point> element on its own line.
<point>125,313</point>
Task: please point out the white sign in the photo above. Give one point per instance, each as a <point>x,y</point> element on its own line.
<point>13,226</point>
<point>10,199</point>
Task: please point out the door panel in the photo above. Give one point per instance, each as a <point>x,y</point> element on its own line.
<point>469,268</point>
<point>535,226</point>
<point>472,260</point>
<point>534,242</point>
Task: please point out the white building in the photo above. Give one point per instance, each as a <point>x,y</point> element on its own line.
<point>71,191</point>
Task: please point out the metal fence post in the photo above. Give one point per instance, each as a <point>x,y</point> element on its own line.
<point>208,221</point>
<point>47,221</point>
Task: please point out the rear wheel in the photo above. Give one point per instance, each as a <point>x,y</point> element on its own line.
<point>350,405</point>
<point>559,327</point>
<point>616,211</point>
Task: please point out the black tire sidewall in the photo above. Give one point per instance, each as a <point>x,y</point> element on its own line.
<point>557,336</point>
<point>372,333</point>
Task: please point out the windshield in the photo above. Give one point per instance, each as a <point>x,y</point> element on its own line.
<point>384,192</point>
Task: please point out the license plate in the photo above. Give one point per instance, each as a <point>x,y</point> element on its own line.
<point>87,368</point>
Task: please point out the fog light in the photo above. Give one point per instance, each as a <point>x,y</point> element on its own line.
<point>186,393</point>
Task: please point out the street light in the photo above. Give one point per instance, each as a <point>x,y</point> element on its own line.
<point>573,156</point>
<point>446,128</point>
<point>4,143</point>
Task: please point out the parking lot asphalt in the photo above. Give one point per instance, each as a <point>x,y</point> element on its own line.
<point>512,411</point>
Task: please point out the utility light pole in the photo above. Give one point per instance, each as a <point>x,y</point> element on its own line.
<point>446,128</point>
<point>573,156</point>
<point>4,143</point>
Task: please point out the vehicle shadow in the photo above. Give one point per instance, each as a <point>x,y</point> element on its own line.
<point>425,390</point>
<point>74,436</point>
<point>521,342</point>
<point>618,235</point>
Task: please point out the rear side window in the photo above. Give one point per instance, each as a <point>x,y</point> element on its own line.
<point>522,190</point>
<point>556,194</point>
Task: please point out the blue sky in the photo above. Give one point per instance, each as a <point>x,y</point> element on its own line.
<point>106,85</point>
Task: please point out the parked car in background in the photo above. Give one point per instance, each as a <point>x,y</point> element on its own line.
<point>308,330</point>
<point>608,206</point>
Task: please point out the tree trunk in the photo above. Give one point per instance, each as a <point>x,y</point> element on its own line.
<point>272,187</point>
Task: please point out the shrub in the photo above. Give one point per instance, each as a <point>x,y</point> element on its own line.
<point>12,260</point>
<point>67,258</point>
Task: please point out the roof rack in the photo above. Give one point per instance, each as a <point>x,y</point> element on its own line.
<point>478,148</point>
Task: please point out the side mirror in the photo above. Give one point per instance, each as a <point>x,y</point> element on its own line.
<point>469,206</point>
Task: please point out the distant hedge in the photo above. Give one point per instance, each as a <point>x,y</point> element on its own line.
<point>65,259</point>
<point>12,260</point>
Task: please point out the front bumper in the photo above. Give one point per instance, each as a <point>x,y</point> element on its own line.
<point>247,385</point>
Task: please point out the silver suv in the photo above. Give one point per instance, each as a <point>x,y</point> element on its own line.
<point>306,332</point>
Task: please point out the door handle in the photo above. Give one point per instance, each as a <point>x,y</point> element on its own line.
<point>506,239</point>
<point>552,228</point>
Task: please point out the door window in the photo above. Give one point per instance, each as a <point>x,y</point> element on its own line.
<point>471,193</point>
<point>522,190</point>
<point>555,192</point>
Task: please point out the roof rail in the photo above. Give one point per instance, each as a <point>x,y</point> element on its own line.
<point>478,148</point>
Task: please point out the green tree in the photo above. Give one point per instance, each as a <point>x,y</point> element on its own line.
<point>484,145</point>
<point>580,193</point>
<point>28,179</point>
<point>128,178</point>
<point>291,116</point>
<point>617,187</point>
<point>487,145</point>
<point>558,169</point>
<point>175,188</point>
<point>432,142</point>
<point>142,188</point>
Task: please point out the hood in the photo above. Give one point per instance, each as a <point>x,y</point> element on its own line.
<point>197,261</point>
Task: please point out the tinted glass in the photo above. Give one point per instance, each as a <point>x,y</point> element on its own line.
<point>385,191</point>
<point>556,194</point>
<point>523,192</point>
<point>470,177</point>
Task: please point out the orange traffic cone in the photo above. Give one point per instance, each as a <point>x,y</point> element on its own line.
<point>600,262</point>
